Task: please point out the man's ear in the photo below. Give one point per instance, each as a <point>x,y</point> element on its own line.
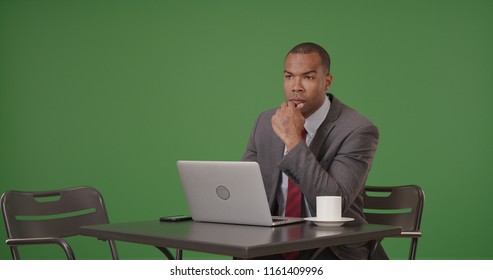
<point>328,81</point>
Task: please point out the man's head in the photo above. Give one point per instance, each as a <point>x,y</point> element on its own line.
<point>307,48</point>
<point>307,77</point>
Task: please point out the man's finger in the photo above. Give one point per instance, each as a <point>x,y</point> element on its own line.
<point>291,104</point>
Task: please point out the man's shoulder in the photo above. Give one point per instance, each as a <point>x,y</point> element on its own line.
<point>269,112</point>
<point>355,116</point>
<point>266,115</point>
<point>351,122</point>
<point>351,117</point>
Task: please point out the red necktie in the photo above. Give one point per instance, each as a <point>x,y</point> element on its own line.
<point>293,201</point>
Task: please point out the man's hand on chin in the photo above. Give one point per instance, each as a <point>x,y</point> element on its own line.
<point>288,123</point>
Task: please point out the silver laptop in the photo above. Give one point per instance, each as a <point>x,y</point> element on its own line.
<point>227,192</point>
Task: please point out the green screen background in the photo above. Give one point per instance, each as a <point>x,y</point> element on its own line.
<point>112,93</point>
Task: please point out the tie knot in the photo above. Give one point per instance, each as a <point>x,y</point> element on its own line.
<point>304,133</point>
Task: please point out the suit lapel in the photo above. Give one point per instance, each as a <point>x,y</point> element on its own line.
<point>327,126</point>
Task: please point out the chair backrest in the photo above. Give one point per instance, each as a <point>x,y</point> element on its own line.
<point>57,213</point>
<point>397,205</point>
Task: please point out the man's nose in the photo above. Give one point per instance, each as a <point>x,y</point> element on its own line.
<point>297,86</point>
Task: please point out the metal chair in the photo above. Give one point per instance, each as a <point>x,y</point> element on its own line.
<point>397,206</point>
<point>33,218</point>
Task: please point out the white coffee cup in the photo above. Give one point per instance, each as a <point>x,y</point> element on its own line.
<point>329,208</point>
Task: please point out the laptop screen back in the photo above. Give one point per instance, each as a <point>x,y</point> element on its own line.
<point>225,192</point>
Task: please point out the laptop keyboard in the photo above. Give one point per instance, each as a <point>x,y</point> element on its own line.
<point>278,220</point>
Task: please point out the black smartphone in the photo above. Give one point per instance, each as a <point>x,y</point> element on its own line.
<point>176,218</point>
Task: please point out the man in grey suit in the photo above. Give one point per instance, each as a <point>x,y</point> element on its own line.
<point>317,143</point>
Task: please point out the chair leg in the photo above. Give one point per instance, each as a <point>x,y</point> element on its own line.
<point>67,249</point>
<point>414,247</point>
<point>179,254</point>
<point>114,252</point>
<point>315,255</point>
<point>374,248</point>
<point>166,252</point>
<point>15,253</point>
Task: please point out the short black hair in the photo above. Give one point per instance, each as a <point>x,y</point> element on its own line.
<point>307,48</point>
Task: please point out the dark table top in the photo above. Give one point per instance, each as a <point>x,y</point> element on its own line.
<point>238,240</point>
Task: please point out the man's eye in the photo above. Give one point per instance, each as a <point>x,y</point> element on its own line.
<point>288,77</point>
<point>309,77</point>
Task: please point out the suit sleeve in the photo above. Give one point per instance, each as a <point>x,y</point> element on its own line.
<point>344,175</point>
<point>251,149</point>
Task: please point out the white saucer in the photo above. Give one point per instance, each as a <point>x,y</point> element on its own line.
<point>325,223</point>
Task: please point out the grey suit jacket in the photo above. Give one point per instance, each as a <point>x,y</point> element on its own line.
<point>336,163</point>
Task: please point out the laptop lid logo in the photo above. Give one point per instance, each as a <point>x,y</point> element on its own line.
<point>222,192</point>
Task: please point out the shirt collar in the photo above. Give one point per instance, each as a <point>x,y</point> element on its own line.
<point>313,122</point>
